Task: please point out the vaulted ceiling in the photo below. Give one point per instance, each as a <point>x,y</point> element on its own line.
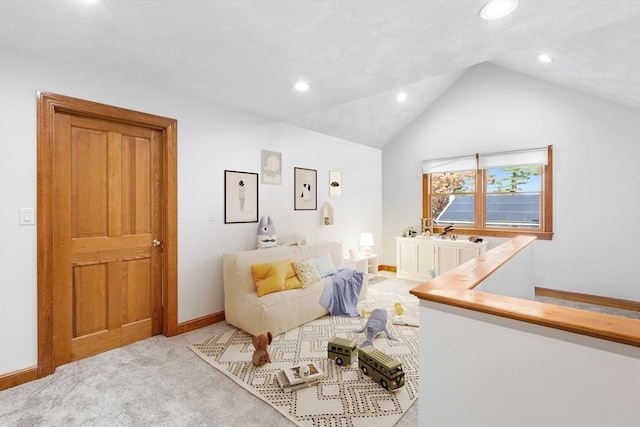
<point>356,54</point>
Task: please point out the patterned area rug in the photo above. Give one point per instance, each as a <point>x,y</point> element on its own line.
<point>345,396</point>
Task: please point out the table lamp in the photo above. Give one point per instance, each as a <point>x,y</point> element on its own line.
<point>366,243</point>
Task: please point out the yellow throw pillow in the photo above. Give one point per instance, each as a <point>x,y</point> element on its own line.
<point>293,282</point>
<point>274,276</point>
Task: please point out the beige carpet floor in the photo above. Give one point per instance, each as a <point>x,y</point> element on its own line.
<point>155,382</point>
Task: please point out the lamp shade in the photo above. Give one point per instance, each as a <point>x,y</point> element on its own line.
<point>366,240</point>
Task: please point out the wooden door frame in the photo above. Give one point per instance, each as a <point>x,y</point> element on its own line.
<point>48,105</point>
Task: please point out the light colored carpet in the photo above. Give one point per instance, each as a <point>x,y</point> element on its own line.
<point>156,382</point>
<point>345,397</point>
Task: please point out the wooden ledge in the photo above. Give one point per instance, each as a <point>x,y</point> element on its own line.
<point>455,288</point>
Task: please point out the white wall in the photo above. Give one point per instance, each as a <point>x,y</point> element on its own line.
<point>595,247</point>
<point>514,278</point>
<point>488,371</point>
<point>211,138</point>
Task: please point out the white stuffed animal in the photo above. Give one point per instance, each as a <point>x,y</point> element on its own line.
<point>298,238</point>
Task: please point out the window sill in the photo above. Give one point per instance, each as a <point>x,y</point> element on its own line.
<point>497,232</point>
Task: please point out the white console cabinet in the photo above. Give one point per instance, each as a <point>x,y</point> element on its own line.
<point>418,258</point>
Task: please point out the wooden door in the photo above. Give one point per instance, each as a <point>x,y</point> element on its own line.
<point>107,200</point>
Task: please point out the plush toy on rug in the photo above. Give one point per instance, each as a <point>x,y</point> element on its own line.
<point>267,234</point>
<point>261,353</point>
<point>403,319</point>
<point>376,324</point>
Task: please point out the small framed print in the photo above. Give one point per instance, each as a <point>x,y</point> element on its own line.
<point>240,197</point>
<point>305,189</point>
<point>271,167</point>
<point>335,183</point>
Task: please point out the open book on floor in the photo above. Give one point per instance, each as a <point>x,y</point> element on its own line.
<point>299,376</point>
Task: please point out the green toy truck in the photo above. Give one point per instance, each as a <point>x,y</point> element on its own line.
<point>342,350</point>
<point>381,368</point>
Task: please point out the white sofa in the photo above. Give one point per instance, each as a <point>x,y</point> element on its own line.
<point>281,311</point>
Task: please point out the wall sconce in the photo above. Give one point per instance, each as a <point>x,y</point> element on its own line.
<point>366,243</point>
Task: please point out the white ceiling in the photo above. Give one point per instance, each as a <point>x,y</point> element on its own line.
<point>356,54</point>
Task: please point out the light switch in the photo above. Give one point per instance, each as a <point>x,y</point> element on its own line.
<point>26,216</point>
<point>211,217</point>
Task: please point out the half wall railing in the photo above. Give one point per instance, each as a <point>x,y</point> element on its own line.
<point>492,356</point>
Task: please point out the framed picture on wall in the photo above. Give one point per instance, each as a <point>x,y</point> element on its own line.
<point>240,197</point>
<point>271,162</point>
<point>305,189</point>
<point>335,183</point>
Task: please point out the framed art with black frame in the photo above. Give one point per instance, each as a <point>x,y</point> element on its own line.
<point>240,197</point>
<point>305,189</point>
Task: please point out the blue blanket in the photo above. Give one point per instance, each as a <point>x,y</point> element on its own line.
<point>341,290</point>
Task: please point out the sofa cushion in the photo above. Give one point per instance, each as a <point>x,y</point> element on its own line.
<point>307,271</point>
<point>324,265</point>
<point>274,276</point>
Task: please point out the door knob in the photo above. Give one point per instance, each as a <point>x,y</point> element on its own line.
<point>156,242</point>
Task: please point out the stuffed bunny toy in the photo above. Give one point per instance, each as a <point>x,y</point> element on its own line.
<point>261,353</point>
<point>267,237</point>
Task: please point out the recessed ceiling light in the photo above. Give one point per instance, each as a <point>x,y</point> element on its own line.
<point>301,86</point>
<point>401,96</point>
<point>545,58</point>
<point>496,9</point>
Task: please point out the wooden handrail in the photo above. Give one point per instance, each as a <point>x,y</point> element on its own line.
<point>456,288</point>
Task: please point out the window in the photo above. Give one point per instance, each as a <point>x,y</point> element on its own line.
<point>452,197</point>
<point>497,194</point>
<point>513,197</point>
